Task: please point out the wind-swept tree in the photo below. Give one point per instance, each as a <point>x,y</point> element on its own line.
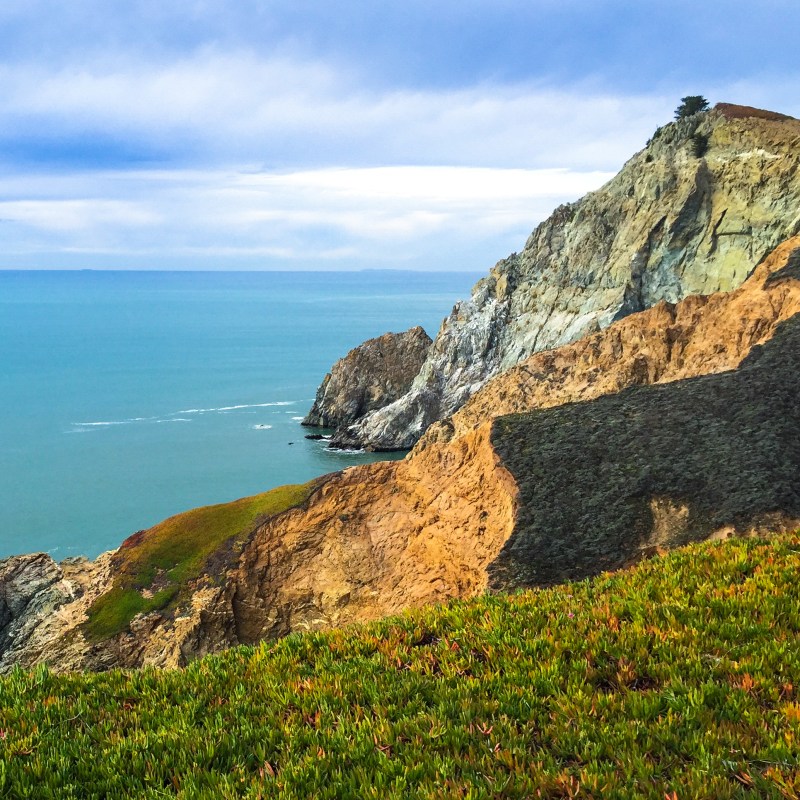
<point>691,105</point>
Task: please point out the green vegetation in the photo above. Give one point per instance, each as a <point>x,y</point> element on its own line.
<point>699,145</point>
<point>688,108</point>
<point>693,104</point>
<point>153,567</point>
<point>677,679</point>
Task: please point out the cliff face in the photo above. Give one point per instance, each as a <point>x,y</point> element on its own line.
<point>41,602</point>
<point>699,335</point>
<point>493,503</point>
<point>369,377</point>
<point>670,224</point>
<point>367,542</point>
<point>604,482</point>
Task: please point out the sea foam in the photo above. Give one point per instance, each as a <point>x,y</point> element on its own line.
<point>236,408</point>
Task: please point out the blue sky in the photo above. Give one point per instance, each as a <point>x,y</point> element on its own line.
<point>311,135</point>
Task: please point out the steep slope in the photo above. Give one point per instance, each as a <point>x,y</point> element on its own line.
<point>670,224</point>
<point>72,614</point>
<point>605,481</point>
<point>460,514</point>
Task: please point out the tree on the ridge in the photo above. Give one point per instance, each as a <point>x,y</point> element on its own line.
<point>691,105</point>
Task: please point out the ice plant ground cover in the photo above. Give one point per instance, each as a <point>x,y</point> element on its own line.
<point>678,678</point>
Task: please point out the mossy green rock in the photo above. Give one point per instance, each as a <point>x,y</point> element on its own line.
<point>158,567</point>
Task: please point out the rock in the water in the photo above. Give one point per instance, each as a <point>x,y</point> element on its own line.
<point>668,225</point>
<point>369,377</point>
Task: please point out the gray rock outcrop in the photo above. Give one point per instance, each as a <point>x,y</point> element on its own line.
<point>32,588</point>
<point>369,377</point>
<point>670,224</point>
<point>39,599</point>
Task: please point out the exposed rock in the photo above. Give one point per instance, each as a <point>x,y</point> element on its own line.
<point>667,342</point>
<point>30,586</point>
<point>668,225</point>
<point>369,377</point>
<point>41,605</point>
<point>604,482</point>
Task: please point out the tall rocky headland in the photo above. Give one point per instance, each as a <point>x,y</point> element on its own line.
<point>708,197</point>
<point>369,377</point>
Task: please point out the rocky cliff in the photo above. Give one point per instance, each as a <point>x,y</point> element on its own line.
<point>690,214</point>
<point>670,341</point>
<point>482,502</point>
<point>603,482</point>
<point>369,377</point>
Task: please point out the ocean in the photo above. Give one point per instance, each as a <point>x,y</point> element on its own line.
<point>126,397</point>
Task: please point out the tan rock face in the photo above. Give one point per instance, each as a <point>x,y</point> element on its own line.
<point>376,539</point>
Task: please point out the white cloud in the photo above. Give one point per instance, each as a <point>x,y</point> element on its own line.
<point>380,214</point>
<point>76,215</point>
<point>281,159</point>
<point>239,107</point>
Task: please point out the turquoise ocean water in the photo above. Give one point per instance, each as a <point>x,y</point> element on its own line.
<point>126,397</point>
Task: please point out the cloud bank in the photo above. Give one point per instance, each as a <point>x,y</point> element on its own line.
<point>255,136</point>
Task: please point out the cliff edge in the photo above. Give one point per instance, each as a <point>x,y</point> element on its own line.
<point>708,197</point>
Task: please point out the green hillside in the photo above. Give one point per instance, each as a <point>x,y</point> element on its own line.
<point>677,679</point>
<point>154,568</point>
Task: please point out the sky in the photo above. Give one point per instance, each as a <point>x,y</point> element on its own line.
<point>255,134</point>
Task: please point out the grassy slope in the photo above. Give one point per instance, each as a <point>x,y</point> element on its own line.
<point>164,559</point>
<point>680,676</point>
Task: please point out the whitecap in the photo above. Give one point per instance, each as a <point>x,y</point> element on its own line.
<point>236,408</point>
<point>101,424</point>
<point>262,427</point>
<point>296,419</point>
